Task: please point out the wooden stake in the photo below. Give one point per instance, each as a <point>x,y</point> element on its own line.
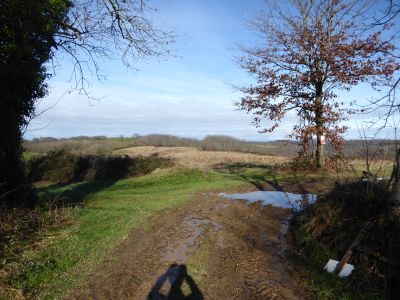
<point>349,251</point>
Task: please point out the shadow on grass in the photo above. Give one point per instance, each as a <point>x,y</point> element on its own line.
<point>259,175</point>
<point>270,176</point>
<point>67,194</point>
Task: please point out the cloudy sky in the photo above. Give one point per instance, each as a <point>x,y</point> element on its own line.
<point>188,95</point>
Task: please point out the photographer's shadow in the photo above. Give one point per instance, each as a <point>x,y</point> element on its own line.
<point>176,275</point>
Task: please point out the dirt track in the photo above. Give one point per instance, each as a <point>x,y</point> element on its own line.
<point>232,250</point>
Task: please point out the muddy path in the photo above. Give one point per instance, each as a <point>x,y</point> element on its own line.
<point>232,250</point>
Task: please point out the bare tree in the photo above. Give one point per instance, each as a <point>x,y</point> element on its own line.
<point>33,33</point>
<point>387,19</point>
<point>107,29</point>
<point>389,104</point>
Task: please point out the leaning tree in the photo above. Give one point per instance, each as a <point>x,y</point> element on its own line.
<point>32,33</point>
<point>311,50</point>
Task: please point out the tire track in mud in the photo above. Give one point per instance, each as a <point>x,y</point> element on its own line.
<point>246,252</point>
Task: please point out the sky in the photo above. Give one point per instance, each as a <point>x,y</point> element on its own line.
<point>190,94</point>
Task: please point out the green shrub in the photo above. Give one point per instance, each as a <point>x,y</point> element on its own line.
<point>62,166</point>
<point>58,166</point>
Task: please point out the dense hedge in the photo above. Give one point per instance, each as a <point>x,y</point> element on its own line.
<point>62,166</point>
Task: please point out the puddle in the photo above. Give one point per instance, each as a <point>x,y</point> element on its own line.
<point>274,198</point>
<point>178,253</point>
<point>194,228</point>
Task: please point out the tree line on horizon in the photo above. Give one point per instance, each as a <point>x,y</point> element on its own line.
<point>378,148</point>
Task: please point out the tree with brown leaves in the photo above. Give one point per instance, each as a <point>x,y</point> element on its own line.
<point>312,49</point>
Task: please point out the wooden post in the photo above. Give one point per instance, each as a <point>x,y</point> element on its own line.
<point>349,251</point>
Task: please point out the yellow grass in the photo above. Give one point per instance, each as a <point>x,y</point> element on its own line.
<point>192,157</point>
<point>380,168</point>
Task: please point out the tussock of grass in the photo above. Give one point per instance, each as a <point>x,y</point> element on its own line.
<point>69,254</point>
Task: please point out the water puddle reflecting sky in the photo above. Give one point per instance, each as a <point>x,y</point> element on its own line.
<point>274,198</point>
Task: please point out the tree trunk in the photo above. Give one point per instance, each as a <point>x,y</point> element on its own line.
<point>12,181</point>
<point>346,257</point>
<point>319,154</point>
<point>320,148</point>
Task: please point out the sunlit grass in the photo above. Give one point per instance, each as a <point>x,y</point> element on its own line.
<point>109,212</point>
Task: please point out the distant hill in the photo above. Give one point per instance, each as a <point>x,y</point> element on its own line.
<point>102,144</point>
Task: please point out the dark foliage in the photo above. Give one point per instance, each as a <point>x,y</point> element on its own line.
<point>31,32</point>
<point>27,31</point>
<point>62,166</point>
<point>333,222</point>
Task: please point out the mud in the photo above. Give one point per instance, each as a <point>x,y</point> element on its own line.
<point>232,249</point>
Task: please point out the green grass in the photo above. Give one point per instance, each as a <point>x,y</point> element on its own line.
<point>267,173</point>
<point>110,210</point>
<point>26,155</point>
<point>68,254</point>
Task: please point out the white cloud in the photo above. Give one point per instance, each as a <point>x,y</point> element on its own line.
<point>189,95</point>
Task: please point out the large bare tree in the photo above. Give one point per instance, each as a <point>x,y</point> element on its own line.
<point>311,50</point>
<point>32,33</point>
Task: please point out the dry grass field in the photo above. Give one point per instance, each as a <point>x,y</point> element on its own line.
<point>194,158</point>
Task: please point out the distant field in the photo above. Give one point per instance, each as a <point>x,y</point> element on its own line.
<point>87,145</point>
<point>105,145</point>
<point>353,149</point>
<point>192,157</point>
<point>216,150</point>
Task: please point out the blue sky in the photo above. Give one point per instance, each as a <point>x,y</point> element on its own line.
<point>189,95</point>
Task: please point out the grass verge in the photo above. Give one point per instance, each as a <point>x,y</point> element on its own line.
<point>67,255</point>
